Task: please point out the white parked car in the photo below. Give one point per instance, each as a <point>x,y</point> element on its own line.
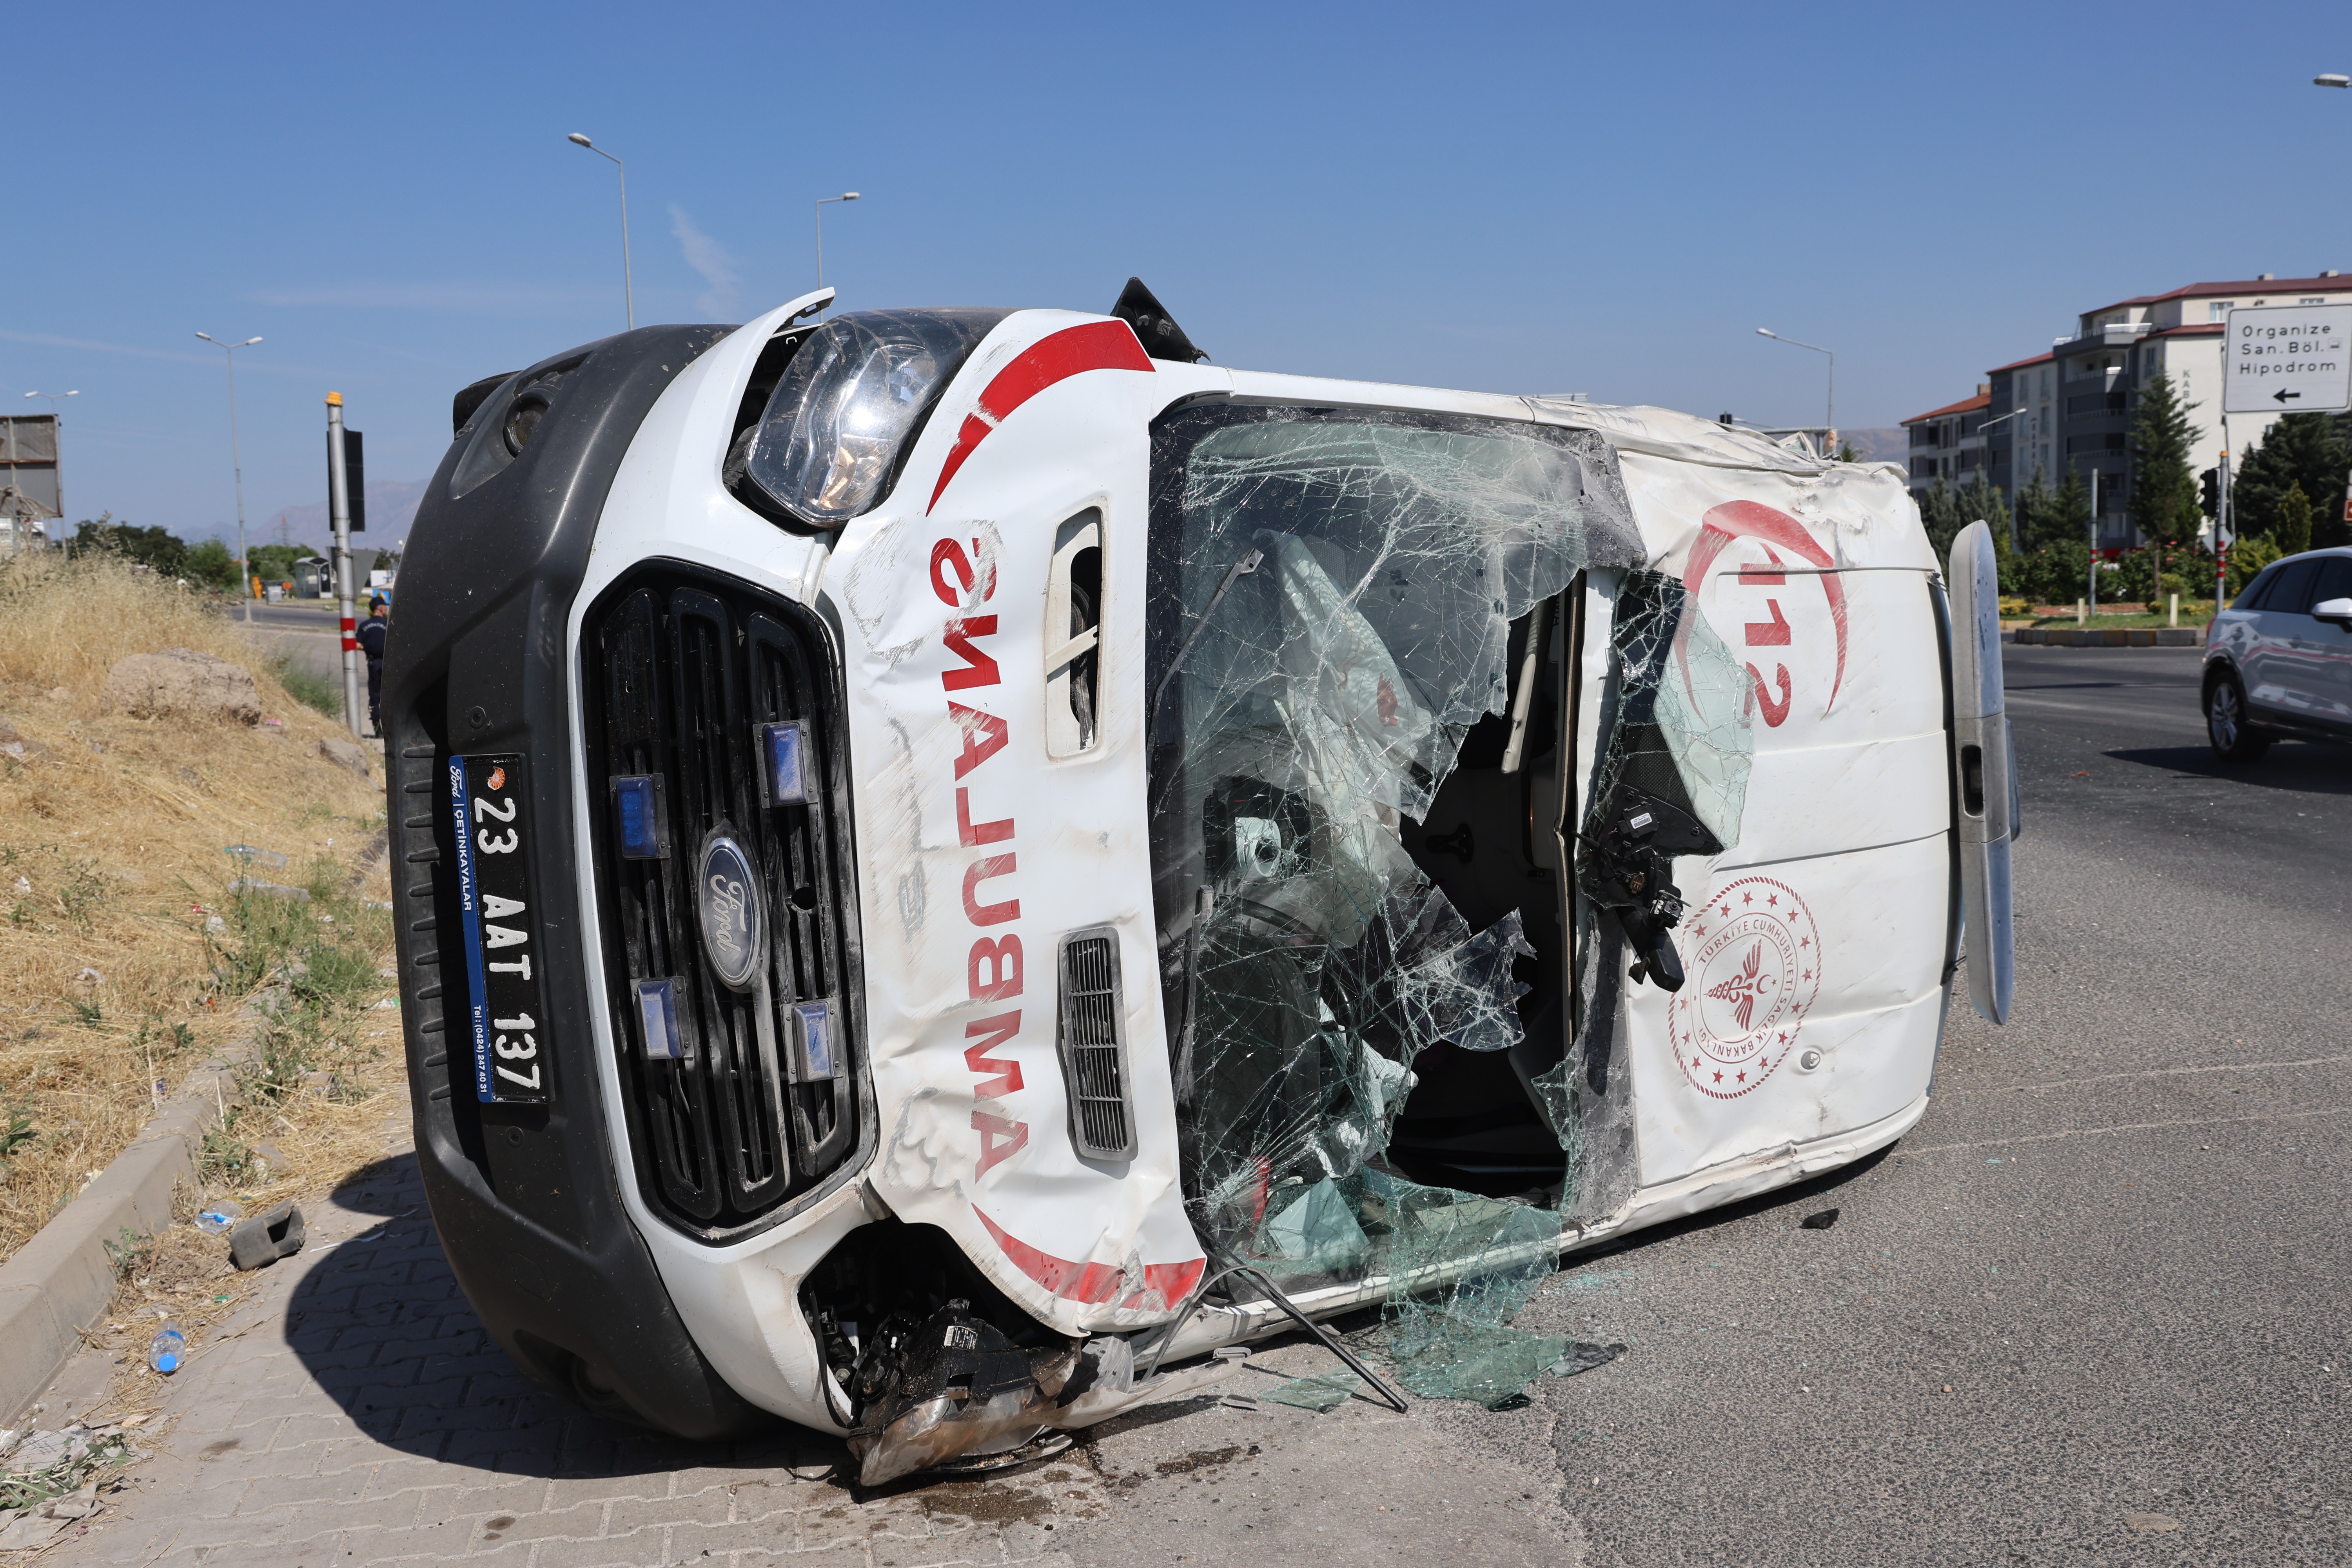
<point>955,857</point>
<point>2278,661</point>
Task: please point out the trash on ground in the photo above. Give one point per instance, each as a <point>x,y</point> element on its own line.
<point>168,1349</point>
<point>49,1481</point>
<point>268,858</point>
<point>270,889</point>
<point>266,1239</point>
<point>219,1217</point>
<point>1822,1220</point>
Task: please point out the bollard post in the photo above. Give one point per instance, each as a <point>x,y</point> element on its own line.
<point>339,513</point>
<point>2082,616</point>
<point>2172,609</point>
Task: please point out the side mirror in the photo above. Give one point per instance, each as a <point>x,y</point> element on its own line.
<point>2336,610</point>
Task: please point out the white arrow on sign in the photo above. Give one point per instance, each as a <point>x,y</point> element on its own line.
<point>2294,359</point>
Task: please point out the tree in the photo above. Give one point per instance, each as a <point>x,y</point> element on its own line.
<point>2072,506</point>
<point>1981,498</point>
<point>2164,502</point>
<point>2247,559</point>
<point>2291,531</point>
<point>275,563</point>
<point>150,547</point>
<point>2038,521</point>
<point>1939,514</point>
<point>212,564</point>
<point>2305,449</point>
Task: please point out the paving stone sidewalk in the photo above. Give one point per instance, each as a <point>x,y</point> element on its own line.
<point>355,1413</point>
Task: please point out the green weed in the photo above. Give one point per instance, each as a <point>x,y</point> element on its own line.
<point>81,892</point>
<point>89,1014</point>
<point>128,1251</point>
<point>16,1130</point>
<point>306,686</point>
<point>334,977</point>
<point>224,1160</point>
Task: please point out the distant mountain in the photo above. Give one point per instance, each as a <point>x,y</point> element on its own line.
<point>391,507</point>
<point>1885,445</point>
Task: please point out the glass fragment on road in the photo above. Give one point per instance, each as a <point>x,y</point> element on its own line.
<point>1322,1393</point>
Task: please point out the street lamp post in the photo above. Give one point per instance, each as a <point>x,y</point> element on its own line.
<point>237,462</point>
<point>1985,430</point>
<point>845,196</point>
<point>628,284</point>
<point>1829,421</point>
<point>58,425</point>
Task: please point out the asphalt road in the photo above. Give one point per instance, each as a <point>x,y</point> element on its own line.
<point>302,616</point>
<point>2093,1309</point>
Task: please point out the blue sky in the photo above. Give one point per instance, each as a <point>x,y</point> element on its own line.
<point>1604,199</point>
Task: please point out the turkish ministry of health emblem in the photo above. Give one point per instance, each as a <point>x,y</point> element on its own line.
<point>1755,971</point>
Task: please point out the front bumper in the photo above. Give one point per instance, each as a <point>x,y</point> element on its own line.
<point>527,1199</point>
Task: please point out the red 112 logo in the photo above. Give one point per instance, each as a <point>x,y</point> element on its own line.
<point>1753,520</point>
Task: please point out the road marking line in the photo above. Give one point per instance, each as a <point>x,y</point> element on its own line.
<point>2127,1127</point>
<point>2174,1072</point>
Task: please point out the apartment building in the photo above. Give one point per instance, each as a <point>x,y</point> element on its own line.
<point>1946,443</point>
<point>2071,408</point>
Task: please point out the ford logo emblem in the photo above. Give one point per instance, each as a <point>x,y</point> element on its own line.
<point>728,904</point>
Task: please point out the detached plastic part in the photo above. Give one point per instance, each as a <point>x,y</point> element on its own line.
<point>954,1387</point>
<point>1984,781</point>
<point>266,1237</point>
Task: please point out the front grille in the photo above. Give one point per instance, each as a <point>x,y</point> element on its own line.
<point>1091,1038</point>
<point>682,671</point>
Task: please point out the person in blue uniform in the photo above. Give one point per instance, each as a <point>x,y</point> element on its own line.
<point>371,639</point>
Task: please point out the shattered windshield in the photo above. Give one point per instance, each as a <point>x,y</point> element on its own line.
<point>1332,595</point>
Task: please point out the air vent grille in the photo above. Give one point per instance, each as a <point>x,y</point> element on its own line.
<point>1094,1046</point>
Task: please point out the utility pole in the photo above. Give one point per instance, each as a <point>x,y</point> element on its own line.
<point>628,281</point>
<point>339,513</point>
<point>2222,520</point>
<point>237,462</point>
<point>2094,539</point>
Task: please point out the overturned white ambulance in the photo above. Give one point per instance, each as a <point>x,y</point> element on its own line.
<point>952,856</point>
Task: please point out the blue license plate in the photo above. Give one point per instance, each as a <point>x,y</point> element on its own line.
<point>508,1008</point>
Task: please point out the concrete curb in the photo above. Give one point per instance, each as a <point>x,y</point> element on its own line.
<point>2091,637</point>
<point>62,1280</point>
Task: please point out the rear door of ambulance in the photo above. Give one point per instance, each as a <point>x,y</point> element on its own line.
<point>1815,948</point>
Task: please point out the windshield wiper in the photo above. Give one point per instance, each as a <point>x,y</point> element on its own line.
<point>1234,573</point>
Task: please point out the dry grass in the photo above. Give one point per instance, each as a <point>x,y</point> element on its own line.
<point>111,864</point>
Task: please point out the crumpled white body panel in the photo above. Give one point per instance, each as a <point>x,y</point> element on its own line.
<point>979,850</point>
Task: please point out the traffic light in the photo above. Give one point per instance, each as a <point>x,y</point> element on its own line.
<point>2210,483</point>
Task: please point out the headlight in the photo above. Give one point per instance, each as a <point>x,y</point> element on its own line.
<point>855,393</point>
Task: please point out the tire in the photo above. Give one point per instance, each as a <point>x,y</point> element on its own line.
<point>2234,739</point>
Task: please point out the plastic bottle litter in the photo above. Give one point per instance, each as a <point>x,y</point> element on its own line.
<point>220,1218</point>
<point>253,856</point>
<point>168,1349</point>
